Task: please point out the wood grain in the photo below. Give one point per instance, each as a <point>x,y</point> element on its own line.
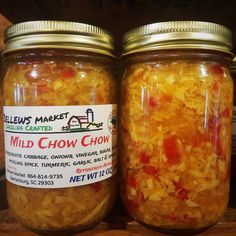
<point>4,23</point>
<point>3,200</point>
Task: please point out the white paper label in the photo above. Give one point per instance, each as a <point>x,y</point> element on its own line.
<point>60,146</point>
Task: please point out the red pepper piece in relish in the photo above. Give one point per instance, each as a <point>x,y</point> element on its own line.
<point>43,88</point>
<point>96,186</point>
<point>217,69</point>
<point>219,149</point>
<point>215,87</point>
<point>213,122</point>
<point>166,98</point>
<point>140,197</point>
<point>152,102</point>
<point>144,158</point>
<point>162,99</point>
<point>68,73</point>
<point>132,206</point>
<point>172,150</point>
<point>226,112</point>
<point>172,218</point>
<point>132,181</point>
<point>150,170</point>
<point>181,192</point>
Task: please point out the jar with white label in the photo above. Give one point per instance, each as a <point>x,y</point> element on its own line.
<point>60,121</point>
<point>176,114</point>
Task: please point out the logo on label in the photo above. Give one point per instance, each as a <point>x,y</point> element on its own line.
<point>83,123</point>
<point>112,122</point>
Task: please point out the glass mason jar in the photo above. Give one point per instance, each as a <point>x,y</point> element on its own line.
<point>2,164</point>
<point>60,124</point>
<point>175,123</point>
<point>233,160</point>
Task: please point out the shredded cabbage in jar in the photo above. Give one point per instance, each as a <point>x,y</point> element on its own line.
<point>175,142</point>
<point>52,83</point>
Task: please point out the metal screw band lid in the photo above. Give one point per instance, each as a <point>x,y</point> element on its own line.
<point>58,34</point>
<point>178,35</point>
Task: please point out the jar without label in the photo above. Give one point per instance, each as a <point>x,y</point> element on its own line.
<point>176,110</point>
<point>233,160</point>
<point>60,124</point>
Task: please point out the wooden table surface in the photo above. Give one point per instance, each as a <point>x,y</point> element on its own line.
<point>119,224</point>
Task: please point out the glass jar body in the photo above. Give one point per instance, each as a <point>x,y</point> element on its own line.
<point>233,160</point>
<point>175,137</point>
<point>59,78</point>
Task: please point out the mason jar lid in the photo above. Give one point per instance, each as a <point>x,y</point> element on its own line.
<point>58,34</point>
<point>178,35</point>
